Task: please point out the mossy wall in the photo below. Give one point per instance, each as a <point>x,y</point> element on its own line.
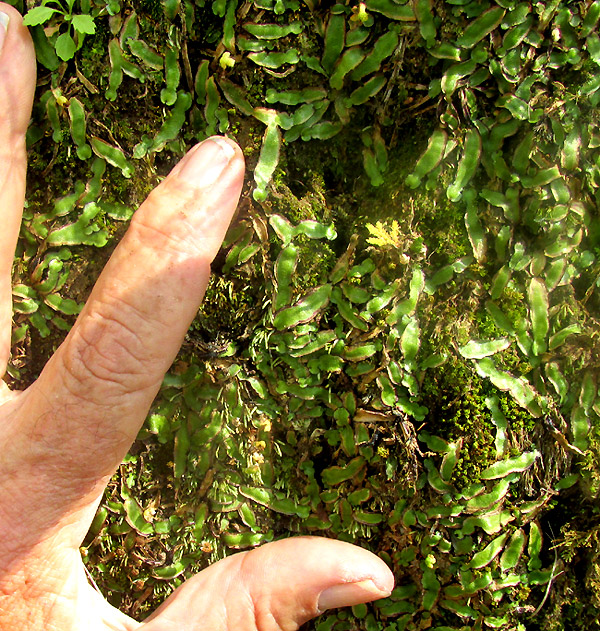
<point>399,344</point>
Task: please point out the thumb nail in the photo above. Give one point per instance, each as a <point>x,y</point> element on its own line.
<point>4,20</point>
<point>204,165</point>
<point>348,594</point>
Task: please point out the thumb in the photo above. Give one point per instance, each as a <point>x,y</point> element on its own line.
<point>17,84</point>
<point>277,587</point>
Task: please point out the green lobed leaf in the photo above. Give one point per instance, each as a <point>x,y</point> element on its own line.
<point>486,501</point>
<point>475,230</point>
<point>521,390</point>
<point>84,23</point>
<point>489,553</point>
<point>513,551</point>
<point>534,546</point>
<point>410,340</point>
<point>454,74</point>
<point>275,60</point>
<point>591,18</point>
<point>134,515</point>
<point>78,126</point>
<point>367,91</point>
<point>44,51</point>
<point>392,10</point>
<point>38,15</point>
<point>146,54</point>
<point>168,95</point>
<point>337,474</point>
<point>83,232</point>
<point>64,305</point>
<point>424,14</point>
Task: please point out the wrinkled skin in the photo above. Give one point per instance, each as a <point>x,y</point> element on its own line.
<point>63,438</point>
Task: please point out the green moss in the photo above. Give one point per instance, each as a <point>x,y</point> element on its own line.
<point>152,8</point>
<point>455,397</point>
<point>226,313</point>
<point>281,427</point>
<point>315,256</point>
<point>521,423</point>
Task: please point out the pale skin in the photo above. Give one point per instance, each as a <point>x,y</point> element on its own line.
<point>63,438</point>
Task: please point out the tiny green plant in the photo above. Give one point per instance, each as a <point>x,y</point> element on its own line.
<point>392,367</point>
<point>78,25</point>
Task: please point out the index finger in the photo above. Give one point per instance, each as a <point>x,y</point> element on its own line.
<point>87,406</point>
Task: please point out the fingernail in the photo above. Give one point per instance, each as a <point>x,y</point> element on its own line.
<point>348,594</point>
<point>204,166</point>
<point>4,19</point>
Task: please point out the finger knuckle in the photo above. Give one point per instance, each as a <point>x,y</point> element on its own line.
<point>106,357</point>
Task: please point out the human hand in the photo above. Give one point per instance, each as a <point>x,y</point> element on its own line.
<point>62,439</point>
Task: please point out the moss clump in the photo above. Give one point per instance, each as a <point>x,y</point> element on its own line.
<point>441,224</point>
<point>455,396</point>
<point>316,257</point>
<point>226,312</point>
<point>520,422</point>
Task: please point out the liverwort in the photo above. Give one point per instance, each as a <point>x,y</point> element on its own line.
<point>429,159</point>
<point>229,25</point>
<point>392,10</point>
<point>130,30</point>
<point>173,124</point>
<point>480,27</point>
<point>275,60</point>
<point>334,41</point>
<point>53,117</point>
<point>295,97</point>
<point>168,94</point>
<point>367,91</point>
<point>467,165</point>
<point>113,155</point>
<point>382,49</point>
<point>475,230</point>
<point>213,100</point>
<point>489,553</point>
<point>537,295</point>
<point>267,161</point>
<point>146,54</point>
<point>84,231</point>
<point>235,96</point>
<point>424,15</point>
<point>476,349</point>
<point>455,73</point>
<point>273,31</point>
<point>78,128</point>
<point>116,73</point>
<point>591,18</point>
<point>516,35</point>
